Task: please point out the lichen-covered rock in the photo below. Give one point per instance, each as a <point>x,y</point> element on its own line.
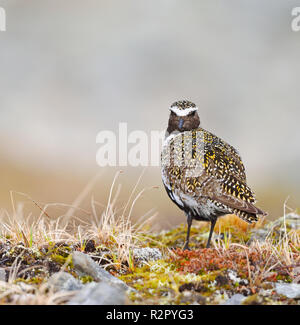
<point>276,229</point>
<point>63,281</point>
<point>190,297</point>
<point>259,234</point>
<point>236,299</point>
<point>290,290</point>
<point>235,279</point>
<point>84,265</point>
<point>291,220</point>
<point>99,294</point>
<point>146,254</point>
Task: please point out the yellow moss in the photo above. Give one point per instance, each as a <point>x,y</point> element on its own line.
<point>34,280</point>
<point>176,237</point>
<point>251,300</point>
<point>62,260</point>
<point>86,279</point>
<point>160,281</point>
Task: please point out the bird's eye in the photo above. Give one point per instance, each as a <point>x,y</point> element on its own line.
<point>172,113</point>
<point>193,113</point>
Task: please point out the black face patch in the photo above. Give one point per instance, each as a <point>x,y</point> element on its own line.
<point>192,114</point>
<point>183,123</point>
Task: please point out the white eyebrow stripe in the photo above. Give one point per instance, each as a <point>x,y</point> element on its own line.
<point>183,112</point>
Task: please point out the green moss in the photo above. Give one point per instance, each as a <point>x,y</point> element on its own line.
<point>33,280</point>
<point>160,281</point>
<point>170,280</point>
<point>62,260</point>
<point>176,237</point>
<point>284,278</point>
<point>86,279</point>
<point>253,300</point>
<point>58,258</point>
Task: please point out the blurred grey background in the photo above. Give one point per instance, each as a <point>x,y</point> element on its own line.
<point>69,69</point>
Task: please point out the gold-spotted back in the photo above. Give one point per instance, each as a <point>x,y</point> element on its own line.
<point>205,175</point>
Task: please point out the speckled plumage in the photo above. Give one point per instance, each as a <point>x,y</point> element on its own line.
<point>183,104</point>
<point>203,175</point>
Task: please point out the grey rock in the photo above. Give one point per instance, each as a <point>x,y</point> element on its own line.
<point>265,292</point>
<point>259,234</point>
<point>84,265</point>
<point>290,290</point>
<point>2,275</point>
<point>236,299</point>
<point>291,220</point>
<point>188,297</point>
<point>277,228</point>
<point>99,294</point>
<point>146,254</point>
<point>63,281</point>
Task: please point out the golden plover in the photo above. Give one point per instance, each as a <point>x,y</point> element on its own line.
<point>203,175</point>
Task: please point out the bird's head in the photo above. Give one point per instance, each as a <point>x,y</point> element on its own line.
<point>183,117</point>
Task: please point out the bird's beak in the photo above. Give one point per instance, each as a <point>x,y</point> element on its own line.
<point>181,121</point>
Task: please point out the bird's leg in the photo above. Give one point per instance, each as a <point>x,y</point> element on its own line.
<point>189,223</point>
<point>213,223</point>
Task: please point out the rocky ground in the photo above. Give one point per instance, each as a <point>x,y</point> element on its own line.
<point>245,265</point>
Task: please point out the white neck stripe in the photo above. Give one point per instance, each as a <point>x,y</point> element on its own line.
<point>183,112</point>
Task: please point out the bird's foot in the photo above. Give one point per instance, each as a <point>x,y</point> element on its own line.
<point>208,245</point>
<point>186,247</point>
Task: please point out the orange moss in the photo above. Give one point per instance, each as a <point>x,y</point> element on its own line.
<point>209,259</point>
<point>230,221</point>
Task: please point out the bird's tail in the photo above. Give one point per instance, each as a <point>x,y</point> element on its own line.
<point>249,217</point>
